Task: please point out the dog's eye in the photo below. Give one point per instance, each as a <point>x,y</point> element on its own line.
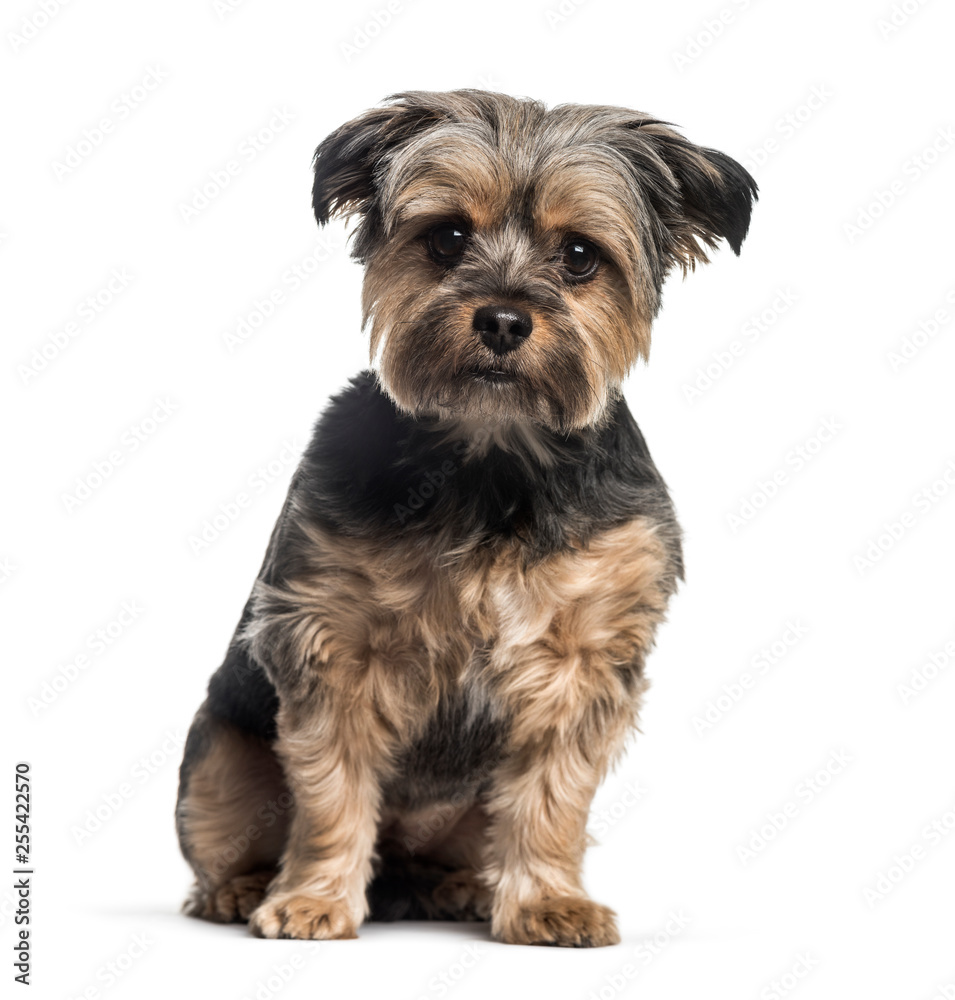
<point>580,259</point>
<point>447,242</point>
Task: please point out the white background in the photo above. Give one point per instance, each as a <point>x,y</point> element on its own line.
<point>848,260</point>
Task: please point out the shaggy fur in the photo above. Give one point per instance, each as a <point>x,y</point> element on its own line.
<point>444,650</point>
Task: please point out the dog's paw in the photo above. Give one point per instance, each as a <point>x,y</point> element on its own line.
<point>566,921</point>
<point>306,918</point>
<point>233,901</point>
<point>461,896</point>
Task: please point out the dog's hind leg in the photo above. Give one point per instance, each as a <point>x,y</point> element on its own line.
<point>232,818</point>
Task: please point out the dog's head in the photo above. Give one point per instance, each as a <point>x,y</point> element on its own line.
<point>515,255</point>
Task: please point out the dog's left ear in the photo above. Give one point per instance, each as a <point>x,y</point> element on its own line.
<point>347,162</point>
<point>711,199</point>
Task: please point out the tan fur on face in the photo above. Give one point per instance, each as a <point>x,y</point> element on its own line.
<point>439,187</point>
<point>578,195</point>
<point>519,210</point>
<point>477,178</point>
<point>566,373</point>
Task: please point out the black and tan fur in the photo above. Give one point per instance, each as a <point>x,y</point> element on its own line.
<point>444,650</point>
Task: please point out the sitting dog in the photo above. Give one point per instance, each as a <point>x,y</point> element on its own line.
<point>444,650</point>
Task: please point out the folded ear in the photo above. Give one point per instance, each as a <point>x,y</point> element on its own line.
<point>346,162</point>
<point>711,199</point>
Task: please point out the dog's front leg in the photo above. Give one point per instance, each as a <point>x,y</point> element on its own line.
<point>333,756</point>
<point>568,673</point>
<point>539,806</point>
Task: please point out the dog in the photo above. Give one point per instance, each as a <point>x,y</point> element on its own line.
<point>444,650</point>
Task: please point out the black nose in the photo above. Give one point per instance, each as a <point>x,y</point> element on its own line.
<point>502,329</point>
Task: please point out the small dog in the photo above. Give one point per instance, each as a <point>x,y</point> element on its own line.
<point>444,650</point>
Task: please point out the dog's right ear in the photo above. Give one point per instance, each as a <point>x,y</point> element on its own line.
<point>347,163</point>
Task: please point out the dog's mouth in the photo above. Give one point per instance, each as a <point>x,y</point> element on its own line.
<point>490,376</point>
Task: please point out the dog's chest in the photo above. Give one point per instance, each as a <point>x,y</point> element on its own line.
<point>459,609</point>
<point>491,598</point>
<point>465,650</point>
